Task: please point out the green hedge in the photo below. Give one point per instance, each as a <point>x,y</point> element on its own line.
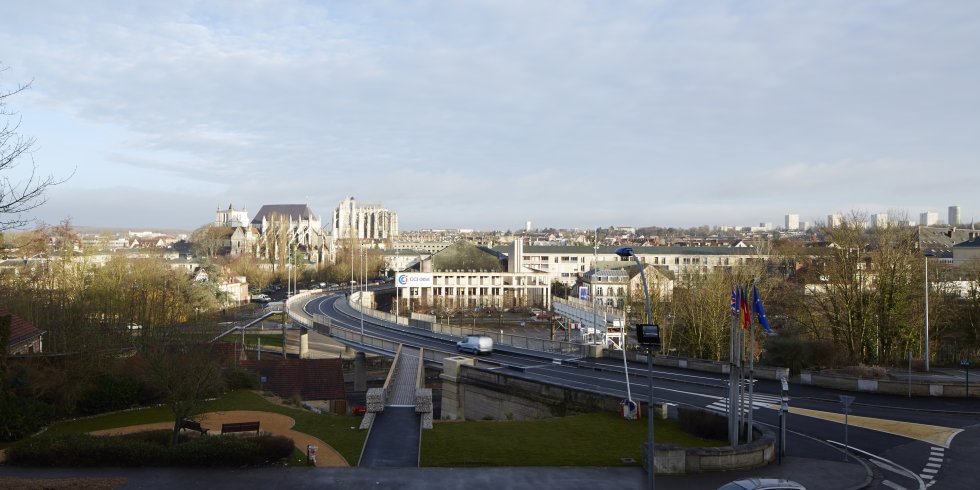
<point>20,417</point>
<point>150,449</point>
<point>110,393</point>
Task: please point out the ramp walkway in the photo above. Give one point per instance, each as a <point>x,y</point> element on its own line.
<point>397,413</point>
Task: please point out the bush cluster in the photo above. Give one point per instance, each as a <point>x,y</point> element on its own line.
<point>150,449</point>
<point>110,393</point>
<point>797,354</point>
<point>237,378</point>
<point>20,417</point>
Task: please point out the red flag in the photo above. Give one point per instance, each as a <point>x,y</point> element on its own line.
<point>746,313</point>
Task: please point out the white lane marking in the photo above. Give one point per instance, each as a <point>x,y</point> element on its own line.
<point>886,466</point>
<point>937,460</point>
<point>890,484</point>
<point>931,471</point>
<point>933,465</point>
<point>914,476</point>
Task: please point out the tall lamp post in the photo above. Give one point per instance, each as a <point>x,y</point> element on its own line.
<point>927,255</point>
<point>626,252</point>
<point>360,295</point>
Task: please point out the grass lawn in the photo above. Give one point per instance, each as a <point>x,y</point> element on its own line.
<point>599,439</point>
<point>335,430</point>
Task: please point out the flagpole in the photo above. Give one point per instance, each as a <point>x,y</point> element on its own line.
<point>743,305</point>
<point>732,373</point>
<point>741,377</point>
<point>748,435</point>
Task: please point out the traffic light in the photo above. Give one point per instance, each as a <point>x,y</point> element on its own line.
<point>648,333</point>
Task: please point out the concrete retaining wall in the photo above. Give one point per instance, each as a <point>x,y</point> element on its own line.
<point>887,386</point>
<point>761,372</point>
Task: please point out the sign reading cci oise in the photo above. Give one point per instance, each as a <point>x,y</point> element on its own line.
<point>413,280</point>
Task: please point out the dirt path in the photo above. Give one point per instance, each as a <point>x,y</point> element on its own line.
<point>273,423</point>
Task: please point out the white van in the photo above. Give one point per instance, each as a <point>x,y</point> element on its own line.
<point>477,344</point>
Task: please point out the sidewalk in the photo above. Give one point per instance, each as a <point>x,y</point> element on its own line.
<point>814,474</point>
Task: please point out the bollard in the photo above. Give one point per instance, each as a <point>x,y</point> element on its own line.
<point>311,454</point>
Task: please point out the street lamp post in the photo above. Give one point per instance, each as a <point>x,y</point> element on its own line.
<point>360,295</point>
<point>627,252</point>
<point>927,255</point>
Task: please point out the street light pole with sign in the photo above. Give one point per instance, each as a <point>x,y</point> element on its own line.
<point>846,401</point>
<point>927,255</point>
<point>966,364</point>
<point>647,334</point>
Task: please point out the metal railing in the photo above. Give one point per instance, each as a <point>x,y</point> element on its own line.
<point>391,374</point>
<point>461,331</point>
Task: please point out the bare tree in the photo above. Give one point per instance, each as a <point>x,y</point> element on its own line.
<point>18,195</point>
<point>186,374</point>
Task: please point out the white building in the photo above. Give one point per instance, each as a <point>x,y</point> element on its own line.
<point>465,275</point>
<point>879,220</point>
<point>792,222</point>
<point>568,263</point>
<point>231,217</point>
<point>835,220</point>
<point>364,220</point>
<point>928,218</point>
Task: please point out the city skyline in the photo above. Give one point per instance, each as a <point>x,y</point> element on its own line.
<point>489,116</point>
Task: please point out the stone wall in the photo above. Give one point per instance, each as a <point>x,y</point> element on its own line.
<point>483,395</point>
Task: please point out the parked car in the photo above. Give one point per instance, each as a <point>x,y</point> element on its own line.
<point>477,344</point>
<point>762,484</point>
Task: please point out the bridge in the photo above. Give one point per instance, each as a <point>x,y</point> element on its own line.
<point>575,370</point>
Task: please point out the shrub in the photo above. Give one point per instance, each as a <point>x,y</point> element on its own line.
<point>20,417</point>
<point>233,450</point>
<point>149,449</point>
<point>111,392</point>
<point>864,371</point>
<point>86,450</point>
<point>236,378</point>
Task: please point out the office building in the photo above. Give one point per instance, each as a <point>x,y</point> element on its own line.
<point>792,222</point>
<point>954,216</point>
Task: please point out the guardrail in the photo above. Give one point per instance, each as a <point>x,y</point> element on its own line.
<point>386,388</point>
<point>461,331</point>
<point>420,372</point>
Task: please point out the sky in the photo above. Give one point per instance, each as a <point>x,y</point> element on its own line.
<point>489,114</point>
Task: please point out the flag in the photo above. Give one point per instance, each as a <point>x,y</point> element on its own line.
<point>744,306</point>
<point>760,312</point>
<point>734,303</point>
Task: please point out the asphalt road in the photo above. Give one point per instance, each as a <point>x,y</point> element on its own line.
<point>910,442</point>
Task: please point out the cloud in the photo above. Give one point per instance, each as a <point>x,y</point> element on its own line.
<point>515,106</point>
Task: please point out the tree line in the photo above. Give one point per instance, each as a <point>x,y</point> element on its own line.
<point>856,296</point>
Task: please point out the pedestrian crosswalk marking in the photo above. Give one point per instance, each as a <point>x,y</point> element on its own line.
<point>759,400</point>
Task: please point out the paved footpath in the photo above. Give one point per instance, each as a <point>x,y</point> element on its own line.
<point>815,474</point>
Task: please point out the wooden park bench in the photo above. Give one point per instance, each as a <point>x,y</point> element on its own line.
<point>192,425</point>
<point>240,427</point>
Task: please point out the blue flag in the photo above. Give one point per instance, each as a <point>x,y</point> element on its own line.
<point>734,303</point>
<point>760,312</point>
